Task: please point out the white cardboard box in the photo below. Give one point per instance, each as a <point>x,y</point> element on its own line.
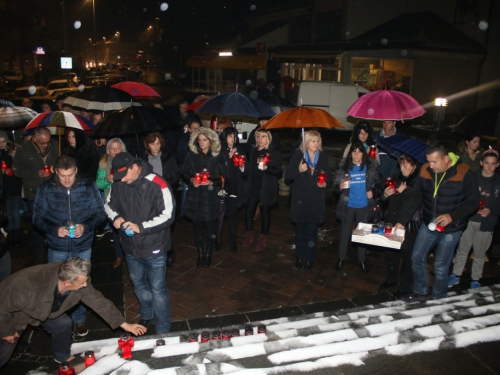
<point>363,234</point>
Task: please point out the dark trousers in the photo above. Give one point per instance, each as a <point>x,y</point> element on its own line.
<point>232,223</point>
<point>306,241</point>
<point>403,256</point>
<point>37,236</point>
<point>116,243</point>
<point>205,233</point>
<point>60,330</point>
<point>265,212</point>
<point>353,215</point>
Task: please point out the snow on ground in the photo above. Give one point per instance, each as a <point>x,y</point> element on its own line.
<point>316,341</point>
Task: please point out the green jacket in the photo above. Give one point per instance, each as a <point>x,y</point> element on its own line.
<point>27,297</point>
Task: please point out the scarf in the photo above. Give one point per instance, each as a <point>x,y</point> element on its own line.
<point>312,163</point>
<point>42,153</point>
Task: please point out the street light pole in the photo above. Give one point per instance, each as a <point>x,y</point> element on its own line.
<point>95,38</point>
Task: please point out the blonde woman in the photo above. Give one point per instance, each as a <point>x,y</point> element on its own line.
<point>307,208</point>
<point>262,185</point>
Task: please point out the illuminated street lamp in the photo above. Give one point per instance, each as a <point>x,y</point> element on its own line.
<point>440,104</point>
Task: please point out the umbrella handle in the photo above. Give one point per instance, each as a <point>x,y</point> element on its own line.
<point>223,181</point>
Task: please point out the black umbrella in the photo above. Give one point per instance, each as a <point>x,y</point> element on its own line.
<point>235,104</point>
<point>485,121</point>
<point>161,117</point>
<point>100,99</point>
<point>221,210</point>
<point>128,121</point>
<point>15,117</point>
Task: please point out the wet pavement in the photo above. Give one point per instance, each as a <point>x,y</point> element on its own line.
<point>249,286</point>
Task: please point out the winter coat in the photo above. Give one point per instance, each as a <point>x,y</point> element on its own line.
<point>395,213</point>
<point>234,184</point>
<point>489,222</point>
<point>28,162</point>
<point>27,297</point>
<point>475,164</point>
<point>149,203</point>
<point>85,155</point>
<point>169,169</point>
<point>12,185</point>
<point>457,194</point>
<point>373,182</point>
<point>269,191</point>
<point>202,202</point>
<point>308,200</point>
<point>55,205</point>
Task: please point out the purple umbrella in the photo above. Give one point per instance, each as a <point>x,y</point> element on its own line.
<point>386,105</point>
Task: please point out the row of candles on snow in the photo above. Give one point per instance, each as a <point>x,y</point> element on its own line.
<point>126,342</point>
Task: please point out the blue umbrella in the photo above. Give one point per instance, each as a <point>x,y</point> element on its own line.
<point>235,104</point>
<point>414,148</point>
<point>386,144</point>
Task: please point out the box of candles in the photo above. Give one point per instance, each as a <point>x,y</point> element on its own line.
<point>379,234</point>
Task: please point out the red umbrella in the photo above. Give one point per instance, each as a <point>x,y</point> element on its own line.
<point>195,105</point>
<point>137,90</point>
<point>386,105</point>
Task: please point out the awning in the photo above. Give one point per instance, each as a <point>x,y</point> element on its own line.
<point>258,62</point>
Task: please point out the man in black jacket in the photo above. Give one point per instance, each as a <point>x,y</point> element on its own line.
<point>449,191</point>
<point>142,205</point>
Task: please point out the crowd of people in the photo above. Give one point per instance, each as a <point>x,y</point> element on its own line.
<point>95,187</point>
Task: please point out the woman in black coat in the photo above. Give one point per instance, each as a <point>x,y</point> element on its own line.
<point>202,201</point>
<point>307,209</point>
<point>396,214</point>
<point>262,185</point>
<point>359,184</point>
<point>83,151</point>
<point>162,161</point>
<point>234,184</point>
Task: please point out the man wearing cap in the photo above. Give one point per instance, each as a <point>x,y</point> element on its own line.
<point>141,204</point>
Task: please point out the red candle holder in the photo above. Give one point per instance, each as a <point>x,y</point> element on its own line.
<point>46,169</point>
<point>261,328</point>
<point>321,177</point>
<point>482,202</point>
<point>3,165</point>
<point>9,172</point>
<point>66,369</point>
<point>204,176</point>
<point>236,159</point>
<point>388,228</point>
<point>372,152</point>
<point>390,182</point>
<point>193,337</point>
<point>248,331</point>
<point>197,178</point>
<point>216,335</point>
<point>235,332</point>
<point>125,343</point>
<point>89,358</point>
<point>242,160</point>
<point>226,335</point>
<point>205,336</point>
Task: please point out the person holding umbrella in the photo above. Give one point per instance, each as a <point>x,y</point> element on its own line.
<point>309,173</point>
<point>359,183</point>
<point>233,168</point>
<point>201,172</point>
<point>264,169</point>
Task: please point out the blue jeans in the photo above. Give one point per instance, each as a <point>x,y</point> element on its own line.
<point>79,314</point>
<point>149,277</point>
<point>445,248</point>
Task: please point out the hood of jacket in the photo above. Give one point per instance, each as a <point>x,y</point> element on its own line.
<point>211,135</point>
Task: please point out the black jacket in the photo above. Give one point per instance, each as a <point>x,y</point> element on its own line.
<point>269,191</point>
<point>85,155</point>
<point>12,185</point>
<point>373,182</point>
<point>233,176</point>
<point>149,203</point>
<point>308,200</point>
<point>489,222</point>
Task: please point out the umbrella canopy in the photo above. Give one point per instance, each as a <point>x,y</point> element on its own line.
<point>195,105</point>
<point>303,117</point>
<point>128,121</point>
<point>61,119</point>
<point>137,90</point>
<point>414,148</point>
<point>15,117</point>
<point>6,103</point>
<point>161,117</point>
<point>101,99</point>
<point>485,121</point>
<point>235,104</point>
<point>386,105</point>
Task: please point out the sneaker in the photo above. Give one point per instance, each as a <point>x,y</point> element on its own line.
<point>475,284</point>
<point>99,233</point>
<point>414,297</point>
<point>453,280</point>
<point>81,329</point>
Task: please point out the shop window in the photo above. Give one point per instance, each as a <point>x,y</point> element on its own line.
<point>377,74</point>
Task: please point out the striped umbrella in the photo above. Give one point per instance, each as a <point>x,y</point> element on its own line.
<point>60,119</point>
<point>15,117</point>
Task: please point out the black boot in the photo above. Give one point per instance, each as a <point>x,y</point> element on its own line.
<point>207,259</point>
<point>199,262</point>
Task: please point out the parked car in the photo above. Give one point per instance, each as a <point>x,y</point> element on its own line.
<point>12,77</point>
<point>61,84</point>
<point>23,92</point>
<point>335,98</point>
